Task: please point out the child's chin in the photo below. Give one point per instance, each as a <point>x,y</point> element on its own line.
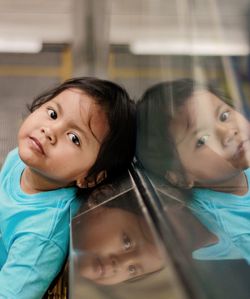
<point>242,164</point>
<point>245,164</point>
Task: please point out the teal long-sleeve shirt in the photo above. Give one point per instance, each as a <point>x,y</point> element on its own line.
<point>34,234</point>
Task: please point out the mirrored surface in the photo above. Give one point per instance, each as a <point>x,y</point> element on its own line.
<point>186,63</point>
<point>116,250</point>
<point>193,143</point>
<point>203,138</point>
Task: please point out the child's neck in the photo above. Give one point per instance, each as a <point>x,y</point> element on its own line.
<point>32,182</point>
<point>238,185</point>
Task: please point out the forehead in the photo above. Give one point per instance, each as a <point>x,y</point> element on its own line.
<point>124,220</point>
<point>202,99</point>
<point>108,214</point>
<point>201,102</point>
<point>74,99</point>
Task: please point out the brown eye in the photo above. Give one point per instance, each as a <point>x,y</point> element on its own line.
<point>74,139</point>
<point>202,141</point>
<point>132,270</point>
<point>224,116</point>
<point>126,241</point>
<point>52,113</point>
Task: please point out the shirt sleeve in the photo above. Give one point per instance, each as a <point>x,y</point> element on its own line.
<point>32,264</point>
<point>226,247</point>
<point>10,159</point>
<point>243,243</point>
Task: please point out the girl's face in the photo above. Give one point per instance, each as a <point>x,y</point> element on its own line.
<point>212,139</point>
<point>118,245</point>
<point>60,140</point>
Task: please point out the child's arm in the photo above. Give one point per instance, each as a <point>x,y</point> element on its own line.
<point>32,264</point>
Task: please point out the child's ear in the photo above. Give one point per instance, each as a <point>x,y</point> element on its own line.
<point>91,181</point>
<point>177,179</point>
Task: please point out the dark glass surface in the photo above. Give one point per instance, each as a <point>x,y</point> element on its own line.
<point>116,251</point>
<point>188,138</point>
<point>193,147</point>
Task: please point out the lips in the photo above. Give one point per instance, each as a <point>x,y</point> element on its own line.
<point>36,145</point>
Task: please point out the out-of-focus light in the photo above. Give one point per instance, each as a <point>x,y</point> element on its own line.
<point>20,46</point>
<point>189,48</point>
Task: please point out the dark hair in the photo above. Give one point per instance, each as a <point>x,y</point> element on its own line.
<point>155,111</point>
<point>117,150</point>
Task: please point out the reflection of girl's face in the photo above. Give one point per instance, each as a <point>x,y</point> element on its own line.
<point>118,246</point>
<point>212,139</point>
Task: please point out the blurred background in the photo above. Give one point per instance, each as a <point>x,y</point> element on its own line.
<point>135,43</point>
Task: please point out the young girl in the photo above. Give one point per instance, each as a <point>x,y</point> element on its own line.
<point>198,140</point>
<point>76,135</point>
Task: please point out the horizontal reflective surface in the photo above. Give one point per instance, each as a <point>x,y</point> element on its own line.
<point>116,246</point>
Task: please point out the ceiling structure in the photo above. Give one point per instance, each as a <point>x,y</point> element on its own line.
<point>45,20</point>
<point>142,24</point>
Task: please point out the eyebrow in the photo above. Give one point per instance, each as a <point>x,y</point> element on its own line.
<point>142,276</point>
<point>59,107</point>
<point>217,110</point>
<point>196,131</point>
<point>187,128</point>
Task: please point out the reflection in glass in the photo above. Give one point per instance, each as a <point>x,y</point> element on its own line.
<point>192,136</point>
<point>113,241</point>
<point>116,251</point>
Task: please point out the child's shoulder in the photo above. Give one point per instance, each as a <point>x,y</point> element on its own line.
<point>247,172</point>
<point>201,192</point>
<point>12,155</point>
<point>11,158</point>
<point>204,198</point>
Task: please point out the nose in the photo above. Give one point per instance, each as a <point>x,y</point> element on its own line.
<point>49,134</point>
<point>227,135</point>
